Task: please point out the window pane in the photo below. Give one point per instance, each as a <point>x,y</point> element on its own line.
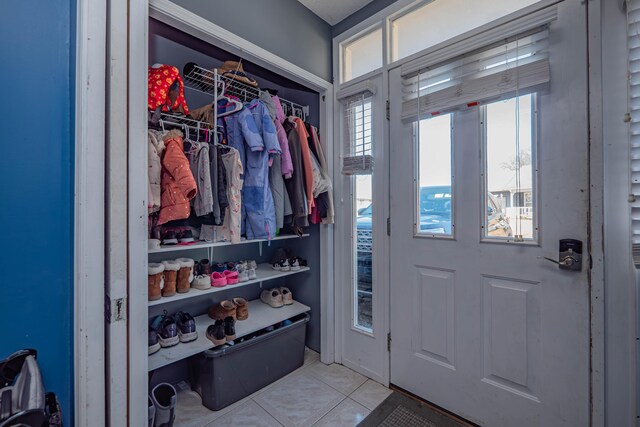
<point>510,166</point>
<point>362,55</point>
<point>363,248</point>
<point>435,196</point>
<point>441,20</point>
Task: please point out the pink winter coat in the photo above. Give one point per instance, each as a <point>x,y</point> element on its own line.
<point>178,184</point>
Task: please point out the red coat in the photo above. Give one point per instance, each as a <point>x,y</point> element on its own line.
<point>178,184</point>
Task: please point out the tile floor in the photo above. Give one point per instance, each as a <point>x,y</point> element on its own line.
<point>314,395</point>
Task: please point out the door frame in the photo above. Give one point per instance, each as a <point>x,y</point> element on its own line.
<point>599,364</point>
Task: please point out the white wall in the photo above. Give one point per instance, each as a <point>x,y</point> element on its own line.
<point>619,272</point>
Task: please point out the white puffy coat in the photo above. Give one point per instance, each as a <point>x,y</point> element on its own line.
<point>156,147</point>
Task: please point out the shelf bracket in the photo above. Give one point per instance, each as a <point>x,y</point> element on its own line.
<point>260,248</point>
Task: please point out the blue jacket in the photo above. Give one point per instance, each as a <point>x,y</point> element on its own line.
<point>252,132</point>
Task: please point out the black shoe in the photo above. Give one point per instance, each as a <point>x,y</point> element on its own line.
<point>229,328</point>
<point>215,333</point>
<point>185,236</point>
<point>169,238</point>
<point>186,327</point>
<point>166,330</point>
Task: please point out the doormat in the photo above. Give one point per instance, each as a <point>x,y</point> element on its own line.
<point>400,410</point>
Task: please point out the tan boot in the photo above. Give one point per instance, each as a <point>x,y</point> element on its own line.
<point>170,277</point>
<point>185,274</point>
<point>155,281</point>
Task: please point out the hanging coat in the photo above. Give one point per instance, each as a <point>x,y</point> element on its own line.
<point>178,184</point>
<point>154,153</point>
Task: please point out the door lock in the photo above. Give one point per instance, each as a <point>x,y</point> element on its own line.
<point>569,255</point>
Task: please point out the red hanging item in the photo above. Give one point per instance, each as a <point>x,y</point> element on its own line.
<point>161,93</point>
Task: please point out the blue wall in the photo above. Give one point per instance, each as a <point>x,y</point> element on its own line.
<point>360,15</point>
<point>36,171</point>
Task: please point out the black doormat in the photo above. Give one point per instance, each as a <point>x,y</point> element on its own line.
<point>399,410</point>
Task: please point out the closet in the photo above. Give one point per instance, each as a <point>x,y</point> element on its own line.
<point>201,66</point>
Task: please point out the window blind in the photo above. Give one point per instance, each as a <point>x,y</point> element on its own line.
<point>516,66</point>
<point>357,158</point>
<point>633,43</point>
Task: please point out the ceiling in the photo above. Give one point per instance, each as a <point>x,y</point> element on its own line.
<point>334,11</point>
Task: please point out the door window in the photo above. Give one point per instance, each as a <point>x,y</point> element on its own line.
<point>510,170</point>
<point>434,189</point>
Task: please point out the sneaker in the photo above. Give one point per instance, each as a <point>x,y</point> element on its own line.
<point>272,297</point>
<point>243,273</point>
<point>169,238</point>
<point>166,330</point>
<point>282,265</point>
<point>185,236</point>
<point>215,333</point>
<point>154,345</point>
<point>294,264</point>
<point>287,297</point>
<point>252,274</point>
<point>230,328</point>
<point>202,282</point>
<point>218,280</point>
<point>231,276</point>
<point>251,264</point>
<point>219,267</point>
<point>186,327</point>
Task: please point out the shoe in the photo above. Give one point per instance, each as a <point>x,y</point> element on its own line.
<point>171,269</point>
<point>215,333</point>
<point>185,275</point>
<point>282,265</point>
<point>204,267</point>
<point>154,244</point>
<point>166,330</point>
<point>230,265</point>
<point>219,267</point>
<point>242,308</point>
<point>186,327</point>
<point>294,264</point>
<point>279,254</point>
<point>151,412</point>
<point>164,398</point>
<point>229,328</point>
<point>287,297</point>
<point>154,345</point>
<point>243,273</point>
<point>185,236</point>
<point>231,276</point>
<point>273,297</point>
<point>202,282</point>
<point>251,264</point>
<point>169,238</point>
<point>220,311</point>
<point>155,281</point>
<point>218,280</point>
<point>252,274</point>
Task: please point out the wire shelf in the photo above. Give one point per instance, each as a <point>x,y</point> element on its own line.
<point>201,130</point>
<point>210,82</point>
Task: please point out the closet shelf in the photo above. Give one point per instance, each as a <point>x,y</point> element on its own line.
<point>210,82</point>
<point>260,316</point>
<point>203,245</point>
<point>263,274</point>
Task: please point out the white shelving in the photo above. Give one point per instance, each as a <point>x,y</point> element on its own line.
<point>260,316</point>
<point>204,245</point>
<point>264,272</point>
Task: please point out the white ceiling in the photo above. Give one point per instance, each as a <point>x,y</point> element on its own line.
<point>334,11</point>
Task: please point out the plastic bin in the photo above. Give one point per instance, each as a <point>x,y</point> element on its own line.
<point>224,376</point>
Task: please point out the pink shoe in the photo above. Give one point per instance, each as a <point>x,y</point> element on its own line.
<point>218,280</point>
<point>232,277</point>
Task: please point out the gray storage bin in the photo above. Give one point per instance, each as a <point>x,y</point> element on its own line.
<point>224,376</point>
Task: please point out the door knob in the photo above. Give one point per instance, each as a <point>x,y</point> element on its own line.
<point>570,255</point>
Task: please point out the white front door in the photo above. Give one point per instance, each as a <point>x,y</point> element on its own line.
<point>483,325</point>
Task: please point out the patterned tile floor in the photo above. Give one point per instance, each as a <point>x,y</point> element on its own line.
<point>314,395</point>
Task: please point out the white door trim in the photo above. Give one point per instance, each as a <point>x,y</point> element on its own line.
<point>88,314</point>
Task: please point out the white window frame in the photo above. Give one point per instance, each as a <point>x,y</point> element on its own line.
<point>416,183</point>
<point>535,129</point>
<point>342,47</point>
